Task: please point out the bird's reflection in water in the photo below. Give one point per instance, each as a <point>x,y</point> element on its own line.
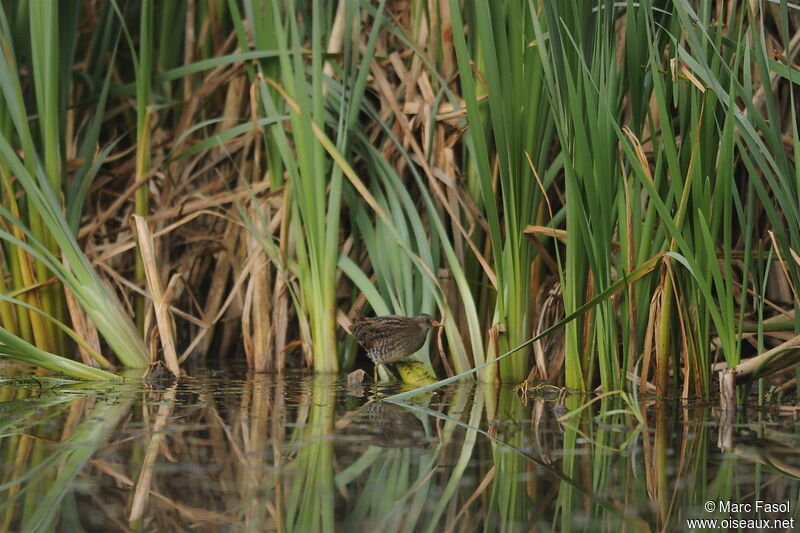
<point>387,425</point>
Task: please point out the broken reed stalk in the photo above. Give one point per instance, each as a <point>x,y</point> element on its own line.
<point>773,360</point>
<point>161,305</point>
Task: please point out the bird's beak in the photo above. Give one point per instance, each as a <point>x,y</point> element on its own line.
<point>435,324</point>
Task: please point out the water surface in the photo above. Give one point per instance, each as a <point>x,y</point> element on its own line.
<point>236,451</point>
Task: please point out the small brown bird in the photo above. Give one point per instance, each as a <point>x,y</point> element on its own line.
<point>392,338</point>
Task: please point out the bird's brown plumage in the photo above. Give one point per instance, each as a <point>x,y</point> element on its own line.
<point>392,338</point>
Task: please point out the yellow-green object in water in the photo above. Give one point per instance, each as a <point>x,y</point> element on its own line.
<point>415,373</point>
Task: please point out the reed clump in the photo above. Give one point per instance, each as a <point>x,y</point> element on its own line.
<point>292,164</point>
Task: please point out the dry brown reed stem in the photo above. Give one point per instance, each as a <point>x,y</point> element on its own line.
<point>247,333</point>
<point>234,97</point>
<point>532,232</point>
<point>258,285</point>
<point>280,321</point>
<point>649,336</point>
<point>160,302</point>
<point>774,360</point>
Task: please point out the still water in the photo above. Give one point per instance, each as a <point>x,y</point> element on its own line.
<point>236,451</point>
